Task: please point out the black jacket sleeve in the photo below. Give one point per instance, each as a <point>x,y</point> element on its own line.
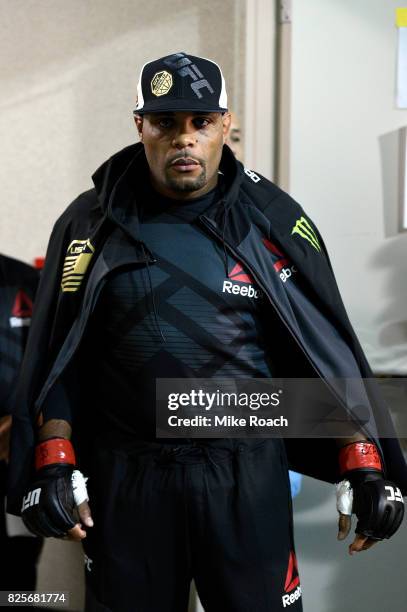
<point>36,363</point>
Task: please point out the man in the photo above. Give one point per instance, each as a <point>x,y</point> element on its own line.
<point>19,549</point>
<point>136,287</point>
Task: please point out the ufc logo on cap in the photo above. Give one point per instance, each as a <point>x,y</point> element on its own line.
<point>185,68</point>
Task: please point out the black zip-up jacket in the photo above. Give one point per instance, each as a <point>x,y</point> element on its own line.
<point>99,232</point>
<point>18,283</point>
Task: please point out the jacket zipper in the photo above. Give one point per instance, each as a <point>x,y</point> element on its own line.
<point>243,260</point>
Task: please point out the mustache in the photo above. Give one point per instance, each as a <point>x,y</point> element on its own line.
<point>185,156</point>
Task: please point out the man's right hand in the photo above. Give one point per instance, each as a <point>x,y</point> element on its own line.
<point>56,502</point>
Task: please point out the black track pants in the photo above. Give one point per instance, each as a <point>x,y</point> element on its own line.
<point>218,511</point>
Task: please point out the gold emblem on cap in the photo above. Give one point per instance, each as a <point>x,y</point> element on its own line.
<point>161,83</point>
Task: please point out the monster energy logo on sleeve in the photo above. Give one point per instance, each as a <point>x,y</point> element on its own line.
<point>305,230</point>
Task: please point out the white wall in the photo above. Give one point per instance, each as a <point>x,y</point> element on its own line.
<point>343,160</point>
<point>344,171</point>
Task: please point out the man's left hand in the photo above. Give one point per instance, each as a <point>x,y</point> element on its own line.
<point>378,505</point>
<point>360,542</point>
<point>344,505</point>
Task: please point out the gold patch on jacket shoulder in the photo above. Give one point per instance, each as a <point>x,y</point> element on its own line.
<point>77,260</point>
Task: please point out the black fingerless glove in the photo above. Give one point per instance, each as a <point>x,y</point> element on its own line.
<point>48,508</point>
<point>377,502</point>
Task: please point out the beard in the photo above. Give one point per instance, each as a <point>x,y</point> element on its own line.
<point>185,184</point>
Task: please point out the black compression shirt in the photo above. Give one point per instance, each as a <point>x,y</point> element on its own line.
<point>197,321</point>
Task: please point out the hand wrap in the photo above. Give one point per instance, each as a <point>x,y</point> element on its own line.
<point>377,502</point>
<point>49,507</point>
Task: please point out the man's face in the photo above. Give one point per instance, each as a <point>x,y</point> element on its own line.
<point>183,150</point>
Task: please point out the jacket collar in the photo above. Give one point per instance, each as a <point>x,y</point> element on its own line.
<point>116,182</point>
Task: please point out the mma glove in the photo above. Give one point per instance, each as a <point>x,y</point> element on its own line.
<point>378,503</point>
<point>49,507</point>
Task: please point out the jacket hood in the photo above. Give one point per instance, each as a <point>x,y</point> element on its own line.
<point>121,171</point>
